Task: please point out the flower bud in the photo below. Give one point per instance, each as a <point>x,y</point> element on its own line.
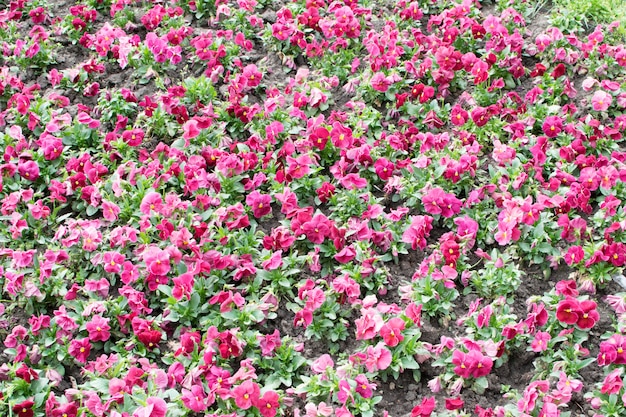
<point>35,355</point>
<point>54,377</point>
<point>4,372</point>
<point>595,403</point>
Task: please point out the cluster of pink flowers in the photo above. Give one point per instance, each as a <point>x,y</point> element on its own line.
<point>581,313</point>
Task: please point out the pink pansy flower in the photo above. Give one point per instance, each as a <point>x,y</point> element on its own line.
<point>192,128</point>
<point>369,324</point>
<point>183,286</point>
<point>480,364</point>
<point>320,364</point>
<point>505,234</point>
<point>91,238</point>
<point>157,260</point>
<point>380,82</point>
<point>568,311</point>
<point>130,273</point>
<point>601,100</point>
<point>150,338</point>
<point>275,261</point>
<point>566,288</point>
<point>418,231</point>
<point>317,229</point>
<point>113,262</point>
<point>502,154</point>
<point>345,255</point>
<point>151,202</point>
<point>566,383</point>
<point>110,210</point>
<point>80,349</point>
<point>425,408</point>
<point>252,75</point>
<point>589,315</point>
<point>612,383</point>
<point>458,116</point>
<point>437,201</point>
<point>462,366</point>
<point>341,136</point>
<point>322,409</point>
<point>156,407</point>
<point>391,332</point>
<point>574,255</point>
<point>454,403</point>
<point>268,404</point>
<point>346,285</point>
<point>299,167</point>
<point>303,318</point>
<point>549,410</point>
<point>608,351</point>
<point>194,399</point>
<point>378,358</point>
<point>246,394</point>
<point>28,170</point>
<point>345,392</point>
<point>100,286</point>
<point>133,137</point>
<point>552,126</point>
<point>268,343</point>
<point>363,387</point>
<point>260,203</point>
<point>540,342</point>
<point>98,329</point>
<point>353,181</point>
<point>617,303</point>
<point>384,168</point>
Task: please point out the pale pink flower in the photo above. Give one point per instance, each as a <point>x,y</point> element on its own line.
<point>152,201</point>
<point>320,410</point>
<point>540,343</point>
<point>601,100</point>
<point>378,358</point>
<point>617,302</point>
<point>380,82</point>
<point>368,325</point>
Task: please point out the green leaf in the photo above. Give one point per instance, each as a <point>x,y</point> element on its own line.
<point>165,289</point>
<point>195,301</point>
<point>327,323</point>
<point>91,210</point>
<point>585,363</point>
<point>408,362</point>
<point>257,315</point>
<point>39,399</point>
<point>173,316</point>
<point>509,82</point>
<point>272,382</point>
<point>178,144</point>
<point>100,385</point>
<point>286,380</point>
<point>231,315</point>
<point>480,385</point>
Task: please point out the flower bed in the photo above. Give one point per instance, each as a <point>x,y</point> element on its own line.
<point>256,208</point>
